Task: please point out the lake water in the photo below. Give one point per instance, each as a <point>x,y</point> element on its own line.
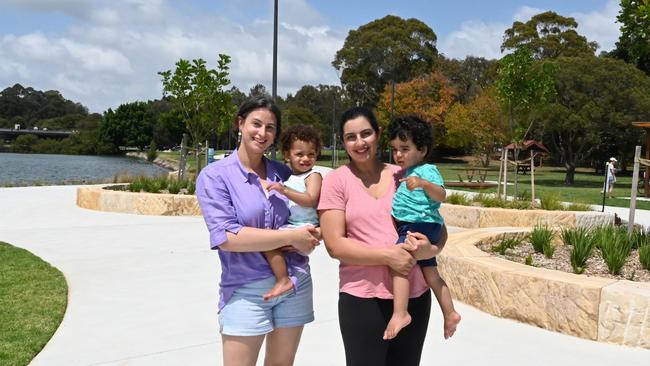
<point>25,169</point>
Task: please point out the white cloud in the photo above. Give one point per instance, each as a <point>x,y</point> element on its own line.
<point>482,39</point>
<point>474,39</point>
<point>113,52</point>
<point>524,13</point>
<point>600,25</point>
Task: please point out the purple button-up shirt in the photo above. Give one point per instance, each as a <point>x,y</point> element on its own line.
<point>232,198</point>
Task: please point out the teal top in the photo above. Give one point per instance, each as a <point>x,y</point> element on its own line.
<point>416,205</point>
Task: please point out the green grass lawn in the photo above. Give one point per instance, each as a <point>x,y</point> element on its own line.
<point>33,298</point>
<point>586,189</point>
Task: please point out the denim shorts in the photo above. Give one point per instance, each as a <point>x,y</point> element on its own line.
<point>430,229</point>
<point>247,314</point>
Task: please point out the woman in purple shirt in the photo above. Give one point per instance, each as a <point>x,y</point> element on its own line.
<point>243,217</point>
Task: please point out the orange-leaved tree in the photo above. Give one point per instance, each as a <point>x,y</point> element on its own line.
<point>429,97</point>
<point>479,125</point>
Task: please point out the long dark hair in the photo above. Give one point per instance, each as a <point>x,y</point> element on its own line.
<point>253,103</point>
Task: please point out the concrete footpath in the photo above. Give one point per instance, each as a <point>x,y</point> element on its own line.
<point>143,291</point>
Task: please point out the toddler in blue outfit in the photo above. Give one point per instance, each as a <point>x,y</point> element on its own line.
<point>415,209</point>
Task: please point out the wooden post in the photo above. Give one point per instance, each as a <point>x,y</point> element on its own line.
<point>206,153</point>
<point>183,163</point>
<point>635,183</point>
<point>646,185</point>
<point>532,176</point>
<point>499,176</point>
<point>505,177</point>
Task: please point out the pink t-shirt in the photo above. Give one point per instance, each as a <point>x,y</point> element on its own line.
<point>369,222</point>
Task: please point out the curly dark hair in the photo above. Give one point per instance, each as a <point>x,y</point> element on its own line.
<point>414,128</point>
<point>300,132</point>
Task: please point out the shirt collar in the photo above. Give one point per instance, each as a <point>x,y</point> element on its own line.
<point>271,172</point>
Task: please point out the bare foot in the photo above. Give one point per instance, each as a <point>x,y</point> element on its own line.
<point>451,322</point>
<point>281,286</point>
<point>396,323</point>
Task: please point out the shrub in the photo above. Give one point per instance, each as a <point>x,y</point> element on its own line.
<point>529,260</point>
<point>603,234</point>
<point>578,206</point>
<point>458,199</point>
<point>152,153</point>
<point>644,256</point>
<point>539,237</point>
<point>616,251</point>
<point>550,201</point>
<point>639,238</point>
<point>489,200</point>
<point>582,246</point>
<point>507,243</point>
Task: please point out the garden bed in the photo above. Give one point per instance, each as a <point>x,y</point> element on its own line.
<point>597,308</point>
<point>560,260</point>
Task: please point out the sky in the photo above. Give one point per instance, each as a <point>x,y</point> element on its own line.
<point>103,53</point>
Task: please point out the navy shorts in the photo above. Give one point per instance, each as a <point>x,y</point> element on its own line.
<point>430,229</point>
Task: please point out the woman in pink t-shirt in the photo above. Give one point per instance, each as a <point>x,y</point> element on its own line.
<point>357,227</point>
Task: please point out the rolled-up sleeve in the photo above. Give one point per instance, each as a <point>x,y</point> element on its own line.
<point>217,206</point>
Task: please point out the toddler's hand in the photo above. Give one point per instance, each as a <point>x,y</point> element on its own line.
<point>275,186</point>
<point>412,182</point>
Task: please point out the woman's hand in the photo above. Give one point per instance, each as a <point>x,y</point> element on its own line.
<point>400,260</point>
<point>305,239</point>
<point>420,246</point>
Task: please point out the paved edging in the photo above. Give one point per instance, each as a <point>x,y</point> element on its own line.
<point>606,310</point>
<point>157,204</point>
<point>481,217</point>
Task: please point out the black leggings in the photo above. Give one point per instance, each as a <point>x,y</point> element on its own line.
<point>363,321</point>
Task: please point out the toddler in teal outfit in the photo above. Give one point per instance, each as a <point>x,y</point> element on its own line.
<point>415,209</point>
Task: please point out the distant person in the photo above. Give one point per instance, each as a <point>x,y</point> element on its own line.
<point>358,230</point>
<point>415,209</point>
<point>610,168</point>
<point>300,146</point>
<point>243,216</point>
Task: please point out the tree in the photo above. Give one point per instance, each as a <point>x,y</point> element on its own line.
<point>25,143</point>
<point>597,99</point>
<point>469,76</point>
<point>429,97</point>
<point>479,125</point>
<point>390,48</point>
<point>634,43</point>
<point>130,124</point>
<point>327,102</point>
<point>199,94</point>
<point>523,85</point>
<point>548,35</point>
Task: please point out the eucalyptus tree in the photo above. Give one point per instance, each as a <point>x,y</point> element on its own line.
<point>548,35</point>
<point>384,50</point>
<point>597,100</point>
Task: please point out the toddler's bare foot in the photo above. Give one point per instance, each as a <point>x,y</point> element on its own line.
<point>396,323</point>
<point>451,322</point>
<point>281,286</point>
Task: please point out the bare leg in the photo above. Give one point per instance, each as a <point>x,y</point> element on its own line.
<point>279,267</point>
<point>281,346</point>
<point>241,351</point>
<point>401,316</point>
<point>443,295</point>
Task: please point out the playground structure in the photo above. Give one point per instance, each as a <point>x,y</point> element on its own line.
<point>536,149</point>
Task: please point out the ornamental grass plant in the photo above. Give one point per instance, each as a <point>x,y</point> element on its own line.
<point>581,247</point>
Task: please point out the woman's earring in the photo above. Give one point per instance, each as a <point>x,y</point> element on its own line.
<point>238,137</point>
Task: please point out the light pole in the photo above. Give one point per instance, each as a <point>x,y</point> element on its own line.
<point>333,145</point>
<point>274,87</point>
